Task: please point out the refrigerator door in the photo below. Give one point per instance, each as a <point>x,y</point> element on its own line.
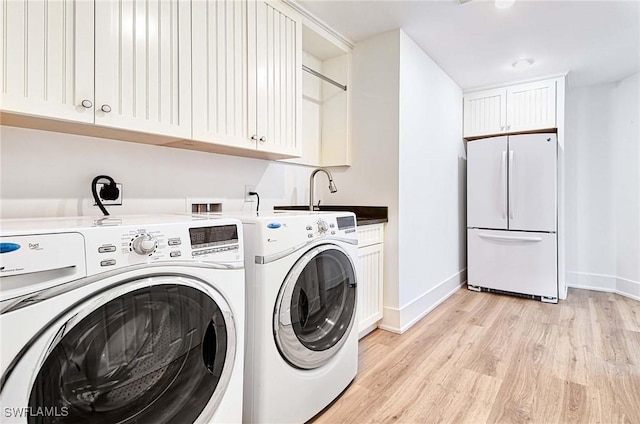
<point>513,261</point>
<point>532,182</point>
<point>487,183</point>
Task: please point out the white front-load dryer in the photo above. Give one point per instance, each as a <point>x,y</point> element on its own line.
<point>302,338</point>
<point>121,320</point>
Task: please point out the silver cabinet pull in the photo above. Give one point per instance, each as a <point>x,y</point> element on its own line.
<point>501,128</point>
<point>508,127</point>
<point>87,104</point>
<point>263,139</point>
<point>106,108</point>
<point>254,137</point>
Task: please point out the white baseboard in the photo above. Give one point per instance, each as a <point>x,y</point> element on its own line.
<point>400,320</point>
<point>604,283</point>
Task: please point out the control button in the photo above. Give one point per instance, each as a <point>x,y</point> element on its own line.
<point>332,225</point>
<point>174,242</point>
<point>106,249</point>
<point>309,228</point>
<point>333,233</point>
<point>310,235</point>
<point>198,253</point>
<point>175,254</point>
<point>108,262</point>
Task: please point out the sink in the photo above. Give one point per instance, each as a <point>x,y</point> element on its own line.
<point>365,215</point>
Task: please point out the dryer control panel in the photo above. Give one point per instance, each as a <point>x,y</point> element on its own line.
<point>122,246</point>
<point>283,230</point>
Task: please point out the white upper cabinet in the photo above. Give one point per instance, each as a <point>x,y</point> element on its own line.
<point>517,108</point>
<point>220,80</point>
<point>531,106</point>
<point>47,58</point>
<point>485,112</point>
<point>137,78</point>
<point>143,66</point>
<point>275,80</point>
<point>246,75</point>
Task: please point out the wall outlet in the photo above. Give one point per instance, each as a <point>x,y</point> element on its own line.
<point>247,196</point>
<point>117,202</point>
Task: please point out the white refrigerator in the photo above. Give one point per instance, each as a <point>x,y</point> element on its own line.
<point>512,215</point>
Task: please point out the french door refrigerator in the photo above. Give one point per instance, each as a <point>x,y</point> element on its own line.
<point>512,215</point>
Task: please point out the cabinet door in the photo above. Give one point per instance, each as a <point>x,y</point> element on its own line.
<point>531,106</point>
<point>143,66</point>
<point>485,113</point>
<point>370,286</point>
<point>47,58</point>
<point>275,66</point>
<point>220,99</point>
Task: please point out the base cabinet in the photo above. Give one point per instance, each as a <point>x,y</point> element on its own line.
<point>370,278</point>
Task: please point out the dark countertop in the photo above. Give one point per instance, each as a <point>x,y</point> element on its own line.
<point>365,215</point>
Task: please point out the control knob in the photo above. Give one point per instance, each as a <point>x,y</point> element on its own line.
<point>144,244</point>
<point>323,227</point>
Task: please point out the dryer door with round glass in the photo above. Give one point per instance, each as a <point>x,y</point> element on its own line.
<point>315,309</point>
<point>155,350</point>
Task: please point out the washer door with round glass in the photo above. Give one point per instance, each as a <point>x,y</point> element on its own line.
<point>315,309</point>
<point>156,350</point>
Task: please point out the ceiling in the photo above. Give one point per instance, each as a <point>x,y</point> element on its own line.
<point>476,43</point>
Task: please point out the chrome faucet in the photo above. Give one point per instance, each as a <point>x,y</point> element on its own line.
<point>332,186</point>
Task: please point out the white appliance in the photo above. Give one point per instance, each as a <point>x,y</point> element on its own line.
<point>512,215</point>
<point>302,338</point>
<point>130,319</point>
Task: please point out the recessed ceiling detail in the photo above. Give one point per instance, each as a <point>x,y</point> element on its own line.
<point>504,4</point>
<point>523,63</point>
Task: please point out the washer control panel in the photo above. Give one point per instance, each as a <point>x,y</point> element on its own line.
<point>330,226</point>
<point>206,241</point>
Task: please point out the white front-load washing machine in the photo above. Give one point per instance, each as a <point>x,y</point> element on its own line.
<point>134,319</point>
<point>302,339</point>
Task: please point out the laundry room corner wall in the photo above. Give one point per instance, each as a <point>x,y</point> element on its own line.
<point>603,187</point>
<point>47,174</point>
<point>432,189</point>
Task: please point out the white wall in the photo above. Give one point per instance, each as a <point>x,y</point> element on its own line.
<point>625,137</point>
<point>49,174</point>
<point>432,196</point>
<point>603,187</point>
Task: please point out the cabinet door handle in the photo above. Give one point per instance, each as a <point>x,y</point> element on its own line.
<point>263,139</point>
<point>254,137</point>
<point>87,104</point>
<point>106,108</point>
<point>508,127</point>
<point>501,128</point>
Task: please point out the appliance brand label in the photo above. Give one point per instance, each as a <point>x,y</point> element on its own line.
<point>8,247</point>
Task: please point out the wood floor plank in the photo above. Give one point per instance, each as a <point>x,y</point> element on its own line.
<point>629,311</point>
<point>580,404</point>
<point>485,358</point>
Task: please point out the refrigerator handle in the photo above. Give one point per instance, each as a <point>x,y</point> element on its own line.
<point>511,207</point>
<point>503,188</point>
<point>509,238</point>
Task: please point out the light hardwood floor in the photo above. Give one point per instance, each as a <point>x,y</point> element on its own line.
<point>487,358</point>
